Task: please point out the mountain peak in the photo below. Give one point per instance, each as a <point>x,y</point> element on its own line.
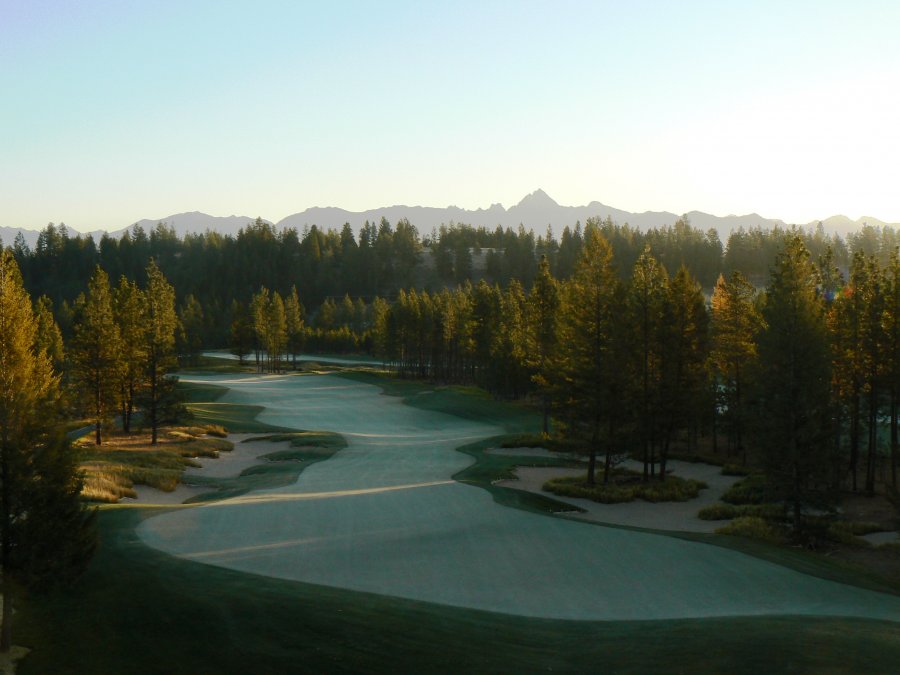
<point>537,198</point>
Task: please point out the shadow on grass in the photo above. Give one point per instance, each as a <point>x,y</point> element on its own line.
<point>141,610</point>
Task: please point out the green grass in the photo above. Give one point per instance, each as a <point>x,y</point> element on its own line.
<point>140,610</point>
<point>213,364</point>
<point>468,403</point>
<point>200,392</point>
<point>234,417</point>
<point>626,486</point>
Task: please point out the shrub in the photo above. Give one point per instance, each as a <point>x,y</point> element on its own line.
<point>754,527</point>
<point>671,490</point>
<point>728,511</point>
<point>750,490</point>
<point>625,487</point>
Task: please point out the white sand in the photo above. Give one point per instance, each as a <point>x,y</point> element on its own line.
<point>676,516</point>
<point>879,538</point>
<point>227,464</point>
<point>383,516</point>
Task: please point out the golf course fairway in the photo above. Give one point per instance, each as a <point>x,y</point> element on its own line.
<point>385,517</point>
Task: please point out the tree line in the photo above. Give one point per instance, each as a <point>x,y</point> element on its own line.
<point>806,371</point>
<point>215,270</point>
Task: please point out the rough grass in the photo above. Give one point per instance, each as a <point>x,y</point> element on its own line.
<point>736,470</point>
<point>756,528</point>
<point>624,486</point>
<point>195,618</point>
<point>728,511</point>
<point>112,469</point>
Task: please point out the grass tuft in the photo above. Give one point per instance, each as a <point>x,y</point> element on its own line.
<point>625,487</point>
<point>754,527</point>
<point>750,490</point>
<point>721,511</point>
<point>735,470</point>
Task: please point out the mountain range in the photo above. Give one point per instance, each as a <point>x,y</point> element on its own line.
<point>535,211</point>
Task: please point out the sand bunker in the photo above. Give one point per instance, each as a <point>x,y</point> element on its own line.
<point>676,516</point>
<point>383,516</point>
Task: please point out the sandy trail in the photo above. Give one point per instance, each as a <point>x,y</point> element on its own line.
<point>435,540</point>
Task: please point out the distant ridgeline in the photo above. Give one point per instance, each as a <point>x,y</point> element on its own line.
<point>383,258</point>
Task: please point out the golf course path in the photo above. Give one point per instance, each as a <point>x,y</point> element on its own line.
<point>384,516</point>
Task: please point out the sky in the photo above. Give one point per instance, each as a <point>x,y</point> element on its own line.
<point>114,111</point>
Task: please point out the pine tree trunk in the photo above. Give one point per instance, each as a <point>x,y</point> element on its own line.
<point>97,411</point>
<point>153,401</point>
<point>592,460</point>
<point>854,436</point>
<point>894,437</point>
<point>873,439</point>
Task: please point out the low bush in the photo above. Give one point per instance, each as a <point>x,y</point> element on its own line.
<point>754,527</point>
<point>750,490</point>
<point>625,486</point>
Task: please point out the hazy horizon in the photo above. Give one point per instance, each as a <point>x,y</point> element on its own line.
<point>122,112</point>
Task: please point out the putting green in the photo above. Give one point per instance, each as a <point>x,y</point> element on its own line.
<point>383,516</point>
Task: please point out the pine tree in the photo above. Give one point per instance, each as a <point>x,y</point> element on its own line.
<point>684,350</point>
<point>294,316</point>
<point>240,335</point>
<point>128,310</point>
<point>190,330</point>
<point>793,385</point>
<point>735,324</point>
<point>49,337</point>
<point>646,299</point>
<point>892,353</point>
<point>276,331</point>
<point>37,474</point>
<point>543,305</point>
<point>96,350</point>
<point>160,347</point>
<point>592,378</point>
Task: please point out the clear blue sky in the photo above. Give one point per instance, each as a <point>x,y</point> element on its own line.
<point>114,111</point>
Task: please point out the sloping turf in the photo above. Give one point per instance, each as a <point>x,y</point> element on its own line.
<point>383,516</point>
